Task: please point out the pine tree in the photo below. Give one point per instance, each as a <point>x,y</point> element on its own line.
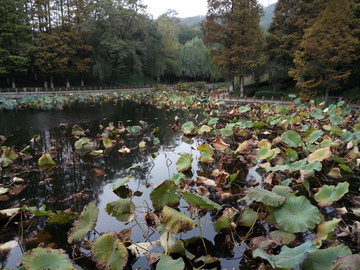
<point>328,47</point>
<point>232,31</point>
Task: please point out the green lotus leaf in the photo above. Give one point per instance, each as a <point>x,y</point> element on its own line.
<point>175,221</point>
<point>291,154</point>
<point>291,138</point>
<point>206,153</point>
<point>188,128</point>
<point>46,258</point>
<point>199,201</point>
<point>313,166</point>
<point>314,136</point>
<point>265,196</point>
<point>323,258</point>
<point>265,153</point>
<point>121,182</point>
<point>123,210</point>
<point>336,119</point>
<point>248,217</point>
<point>213,121</point>
<point>84,224</point>
<point>357,128</point>
<point>37,212</point>
<point>165,194</point>
<point>297,214</point>
<point>110,252</point>
<point>46,160</point>
<point>244,109</point>
<point>288,257</point>
<point>338,159</point>
<point>325,229</point>
<point>335,130</point>
<point>346,168</point>
<point>281,168</point>
<point>177,178</point>
<point>134,130</point>
<point>204,129</point>
<point>77,131</point>
<point>184,163</point>
<point>320,154</point>
<point>330,194</point>
<point>172,245</point>
<point>282,237</point>
<point>351,262</point>
<point>134,166</point>
<point>259,125</point>
<point>156,141</point>
<point>227,131</point>
<point>61,217</point>
<point>226,220</point>
<point>297,165</point>
<point>84,145</point>
<point>167,262</point>
<point>108,143</point>
<point>283,190</point>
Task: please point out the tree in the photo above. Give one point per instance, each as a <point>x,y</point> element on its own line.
<point>15,39</point>
<point>232,31</point>
<point>193,53</point>
<point>328,47</point>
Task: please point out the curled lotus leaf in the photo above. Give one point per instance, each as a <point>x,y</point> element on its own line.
<point>266,197</point>
<point>46,258</point>
<point>248,217</point>
<point>84,224</point>
<point>184,163</point>
<point>320,154</point>
<point>165,194</point>
<point>188,128</point>
<point>291,138</point>
<point>46,160</point>
<point>199,201</point>
<point>175,221</point>
<point>244,109</point>
<point>282,237</point>
<point>123,209</point>
<point>108,143</point>
<point>325,229</point>
<point>219,144</point>
<point>265,153</point>
<point>84,145</point>
<point>324,258</point>
<point>297,214</point>
<point>314,136</point>
<point>204,129</point>
<point>110,252</point>
<point>327,195</point>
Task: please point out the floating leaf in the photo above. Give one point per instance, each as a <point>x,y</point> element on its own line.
<point>265,153</point>
<point>323,258</point>
<point>244,109</point>
<point>123,210</point>
<point>84,224</point>
<point>219,144</point>
<point>175,221</point>
<point>140,249</point>
<point>134,166</point>
<point>199,201</point>
<point>248,217</point>
<point>134,129</point>
<point>188,128</point>
<point>177,178</point>
<point>327,195</point>
<point>121,182</point>
<point>46,160</point>
<point>206,153</point>
<point>37,212</point>
<point>124,150</point>
<point>108,143</point>
<point>77,131</point>
<point>325,229</point>
<point>335,173</point>
<point>46,258</point>
<point>166,263</point>
<point>184,163</point>
<point>291,138</point>
<point>320,154</point>
<point>265,196</point>
<point>84,145</point>
<point>226,220</point>
<point>313,166</point>
<point>288,257</point>
<point>350,262</point>
<point>227,131</point>
<point>213,121</point>
<point>314,136</point>
<point>204,129</point>
<point>110,252</point>
<point>165,194</point>
<point>282,237</point>
<point>297,214</point>
<point>3,190</point>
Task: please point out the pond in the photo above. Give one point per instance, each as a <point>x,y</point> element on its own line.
<point>78,180</point>
<point>199,182</point>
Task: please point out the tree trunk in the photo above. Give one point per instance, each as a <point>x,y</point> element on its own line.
<point>67,83</point>
<point>82,82</point>
<point>52,82</point>
<point>13,83</point>
<point>241,86</point>
<point>45,84</point>
<point>231,86</point>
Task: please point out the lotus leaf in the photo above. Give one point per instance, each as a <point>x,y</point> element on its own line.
<point>177,178</point>
<point>291,138</point>
<point>350,262</point>
<point>313,166</point>
<point>37,212</point>
<point>314,136</point>
<point>227,131</point>
<point>265,196</point>
<point>213,121</point>
<point>166,263</point>
<point>109,252</point>
<point>123,210</point>
<point>265,153</point>
<point>291,155</point>
<point>335,173</point>
<point>188,128</point>
<point>327,195</point>
<point>108,143</point>
<point>46,160</point>
<point>288,257</point>
<point>244,109</point>
<point>3,190</point>
<point>336,119</point>
<point>184,163</point>
<point>61,217</point>
<point>248,217</point>
<point>165,194</point>
<point>219,144</point>
<point>297,214</point>
<point>283,190</point>
<point>175,221</point>
<point>204,129</point>
<point>325,229</point>
<point>46,258</point>
<point>77,131</point>
<point>84,224</point>
<point>243,148</point>
<point>121,182</point>
<point>282,237</point>
<point>320,154</point>
<point>323,259</point>
<point>199,201</point>
<point>297,165</point>
<point>134,166</point>
<point>84,145</point>
<point>134,130</point>
<point>226,220</point>
<point>207,153</point>
<point>281,168</point>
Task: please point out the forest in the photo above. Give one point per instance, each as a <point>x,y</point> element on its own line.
<point>310,45</point>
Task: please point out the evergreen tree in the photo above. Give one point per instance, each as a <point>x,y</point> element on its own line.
<point>328,47</point>
<point>232,31</point>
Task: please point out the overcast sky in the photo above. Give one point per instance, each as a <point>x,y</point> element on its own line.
<point>185,8</point>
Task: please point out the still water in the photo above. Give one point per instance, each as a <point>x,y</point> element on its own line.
<point>73,183</point>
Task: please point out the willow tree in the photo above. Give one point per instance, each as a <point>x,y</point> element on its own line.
<point>232,31</point>
<point>328,47</point>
